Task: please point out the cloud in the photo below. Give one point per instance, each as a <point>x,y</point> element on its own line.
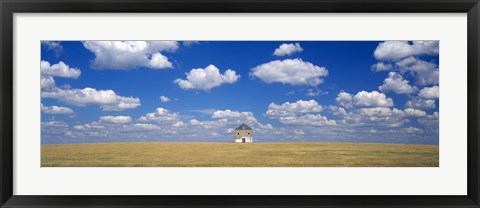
<point>56,110</point>
<point>116,119</point>
<point>164,99</point>
<point>383,116</point>
<point>406,62</point>
<point>416,65</point>
<point>178,124</point>
<point>372,99</point>
<point>412,130</point>
<point>345,99</point>
<point>287,49</point>
<point>427,78</point>
<point>54,46</point>
<point>374,117</point>
<point>54,129</point>
<point>313,93</point>
<point>235,116</point>
<point>395,83</point>
<point>154,46</point>
<point>127,55</point>
<point>293,109</point>
<point>308,119</point>
<point>161,115</point>
<point>338,111</point>
<point>425,99</point>
<point>430,93</point>
<point>265,126</point>
<point>381,66</point>
<point>93,125</point>
<point>380,112</point>
<point>190,43</point>
<point>414,112</point>
<point>206,79</point>
<point>420,103</point>
<point>107,100</point>
<point>370,109</point>
<point>425,73</point>
<point>146,126</point>
<point>404,56</point>
<point>159,61</point>
<point>196,124</point>
<point>206,111</point>
<point>47,83</point>
<point>299,113</point>
<point>396,50</point>
<point>290,71</point>
<point>54,123</point>
<point>59,70</point>
<point>430,121</point>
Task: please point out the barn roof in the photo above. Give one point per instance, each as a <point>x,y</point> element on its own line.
<point>243,127</point>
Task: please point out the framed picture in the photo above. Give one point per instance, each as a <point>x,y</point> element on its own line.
<point>239,104</point>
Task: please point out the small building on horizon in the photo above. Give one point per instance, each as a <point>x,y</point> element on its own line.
<point>243,134</point>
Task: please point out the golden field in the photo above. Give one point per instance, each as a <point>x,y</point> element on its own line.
<point>211,154</point>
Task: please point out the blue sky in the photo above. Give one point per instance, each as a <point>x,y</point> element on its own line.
<point>345,91</point>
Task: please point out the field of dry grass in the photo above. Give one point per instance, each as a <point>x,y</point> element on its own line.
<point>204,154</point>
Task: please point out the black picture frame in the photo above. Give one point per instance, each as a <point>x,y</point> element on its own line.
<point>10,7</point>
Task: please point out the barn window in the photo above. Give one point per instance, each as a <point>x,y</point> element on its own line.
<point>238,133</point>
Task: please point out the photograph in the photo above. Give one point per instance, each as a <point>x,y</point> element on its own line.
<point>238,103</point>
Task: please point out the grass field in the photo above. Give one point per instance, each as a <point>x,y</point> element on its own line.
<point>203,154</point>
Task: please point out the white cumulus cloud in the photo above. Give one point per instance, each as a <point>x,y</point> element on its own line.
<point>59,70</point>
<point>178,124</point>
<point>287,49</point>
<point>300,112</point>
<point>414,112</point>
<point>159,61</point>
<point>292,109</point>
<point>126,55</point>
<point>47,83</point>
<point>229,115</point>
<point>207,78</point>
<point>116,119</point>
<point>164,99</point>
<point>372,99</point>
<point>396,50</point>
<point>420,103</point>
<point>290,71</point>
<point>108,100</point>
<point>395,83</point>
<point>381,66</point>
<point>406,62</point>
<point>161,115</point>
<point>308,119</point>
<point>146,126</point>
<point>345,99</point>
<point>56,110</point>
<point>430,92</point>
<point>425,73</point>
